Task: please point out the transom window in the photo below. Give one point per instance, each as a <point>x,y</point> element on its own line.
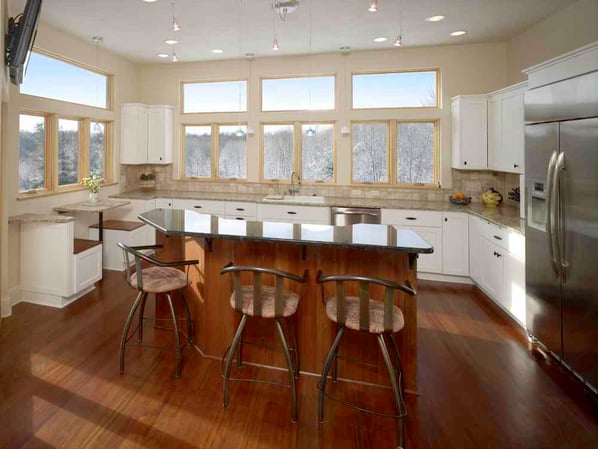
<point>226,144</point>
<point>314,93</point>
<point>410,148</point>
<point>307,148</point>
<point>412,89</point>
<point>216,96</point>
<point>53,78</point>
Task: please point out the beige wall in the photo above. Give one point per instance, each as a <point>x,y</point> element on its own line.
<point>466,69</point>
<point>125,90</point>
<point>566,30</point>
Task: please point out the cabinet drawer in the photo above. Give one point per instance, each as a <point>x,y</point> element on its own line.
<point>294,214</point>
<point>493,233</point>
<point>201,206</point>
<point>164,203</point>
<point>411,217</point>
<point>240,209</point>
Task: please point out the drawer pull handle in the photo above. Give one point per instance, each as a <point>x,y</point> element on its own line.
<point>239,218</point>
<point>497,237</point>
<point>291,213</point>
<point>197,207</point>
<point>240,209</point>
<point>410,218</point>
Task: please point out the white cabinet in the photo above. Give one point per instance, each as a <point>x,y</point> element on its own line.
<point>475,250</point>
<point>240,210</point>
<point>469,132</point>
<point>506,129</point>
<point>146,134</point>
<point>164,203</point>
<point>429,263</point>
<point>130,212</point>
<point>212,207</point>
<point>294,214</point>
<point>492,269</point>
<point>455,239</point>
<point>514,293</point>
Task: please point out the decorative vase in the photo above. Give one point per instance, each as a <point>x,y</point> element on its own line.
<point>93,198</point>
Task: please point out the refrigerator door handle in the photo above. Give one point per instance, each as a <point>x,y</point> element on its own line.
<point>550,212</point>
<point>559,239</point>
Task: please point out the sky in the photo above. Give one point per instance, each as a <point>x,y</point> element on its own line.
<point>386,90</point>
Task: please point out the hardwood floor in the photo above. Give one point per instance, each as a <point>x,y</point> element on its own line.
<point>479,387</point>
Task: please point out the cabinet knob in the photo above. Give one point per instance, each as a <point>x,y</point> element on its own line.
<point>160,158</point>
<point>464,162</point>
<point>445,219</point>
<point>498,255</point>
<point>515,165</point>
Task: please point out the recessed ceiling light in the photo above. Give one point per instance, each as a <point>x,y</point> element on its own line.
<point>150,1</point>
<point>171,41</point>
<point>435,18</point>
<point>218,51</point>
<point>380,39</point>
<point>458,33</point>
<point>162,55</point>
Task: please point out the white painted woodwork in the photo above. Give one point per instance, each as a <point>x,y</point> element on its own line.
<point>212,207</point>
<point>88,268</point>
<point>130,212</point>
<point>159,138</point>
<point>240,210</point>
<point>475,250</point>
<point>294,214</point>
<point>146,134</point>
<point>405,217</point>
<point>469,132</point>
<point>455,243</point>
<point>492,266</point>
<point>112,254</point>
<point>164,203</point>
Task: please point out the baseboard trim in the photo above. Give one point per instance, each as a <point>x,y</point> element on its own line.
<point>5,307</point>
<point>56,301</point>
<point>445,278</point>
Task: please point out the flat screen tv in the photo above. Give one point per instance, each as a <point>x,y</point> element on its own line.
<point>19,40</point>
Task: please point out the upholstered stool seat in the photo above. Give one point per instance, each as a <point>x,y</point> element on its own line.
<point>160,279</point>
<point>376,312</point>
<point>290,301</point>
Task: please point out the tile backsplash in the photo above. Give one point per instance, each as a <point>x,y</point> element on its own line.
<point>471,183</point>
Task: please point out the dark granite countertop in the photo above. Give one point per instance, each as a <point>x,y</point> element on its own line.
<point>504,216</point>
<point>367,236</point>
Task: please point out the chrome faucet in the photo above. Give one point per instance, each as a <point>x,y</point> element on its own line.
<point>293,190</point>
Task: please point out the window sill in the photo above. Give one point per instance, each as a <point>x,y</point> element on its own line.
<point>43,193</point>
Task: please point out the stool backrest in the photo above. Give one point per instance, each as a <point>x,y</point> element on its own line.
<point>129,253</point>
<point>390,290</point>
<point>236,272</point>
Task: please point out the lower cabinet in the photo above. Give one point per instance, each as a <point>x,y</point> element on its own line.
<point>455,238</point>
<point>294,214</point>
<point>131,211</point>
<point>429,263</point>
<point>492,269</point>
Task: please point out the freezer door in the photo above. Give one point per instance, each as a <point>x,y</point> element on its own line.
<point>579,209</point>
<point>543,291</point>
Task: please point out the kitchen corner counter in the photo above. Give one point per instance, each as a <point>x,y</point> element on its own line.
<point>505,216</point>
<point>39,218</point>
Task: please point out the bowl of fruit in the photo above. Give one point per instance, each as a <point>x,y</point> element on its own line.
<point>491,197</point>
<point>460,199</point>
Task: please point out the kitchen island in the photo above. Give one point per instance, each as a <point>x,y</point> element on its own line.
<point>366,249</point>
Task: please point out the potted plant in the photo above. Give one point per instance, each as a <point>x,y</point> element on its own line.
<point>92,184</point>
<point>147,181</point>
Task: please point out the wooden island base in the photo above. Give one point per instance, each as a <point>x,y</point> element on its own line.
<point>216,321</point>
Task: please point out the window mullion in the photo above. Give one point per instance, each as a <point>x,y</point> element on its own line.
<point>84,148</point>
<point>214,152</point>
<point>393,163</point>
<point>298,147</point>
<point>52,151</point>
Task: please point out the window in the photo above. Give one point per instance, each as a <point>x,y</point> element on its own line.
<point>97,148</point>
<point>68,152</point>
<point>32,152</point>
<point>412,152</point>
<point>289,147</point>
<point>298,94</point>
<point>60,80</point>
<point>201,143</point>
<point>219,96</point>
<point>413,89</point>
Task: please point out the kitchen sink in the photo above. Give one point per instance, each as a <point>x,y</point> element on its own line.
<point>295,199</point>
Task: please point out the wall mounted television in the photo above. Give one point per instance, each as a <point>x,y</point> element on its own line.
<point>19,40</point>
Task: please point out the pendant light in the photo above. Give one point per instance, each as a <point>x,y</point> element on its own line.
<point>399,40</point>
<point>97,40</point>
<point>239,132</point>
<point>175,24</point>
<point>310,130</point>
<point>275,46</point>
<point>373,6</point>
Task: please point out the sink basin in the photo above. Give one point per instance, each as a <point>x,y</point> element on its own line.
<point>295,199</point>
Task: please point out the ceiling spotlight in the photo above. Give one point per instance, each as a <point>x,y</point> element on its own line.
<point>162,55</point>
<point>435,18</point>
<point>275,46</point>
<point>398,41</point>
<point>284,7</point>
<point>175,25</point>
<point>458,33</point>
<point>174,56</point>
<point>380,39</point>
<point>171,41</point>
<point>218,51</point>
<point>373,6</point>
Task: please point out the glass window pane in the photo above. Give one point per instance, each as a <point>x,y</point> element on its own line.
<point>298,94</point>
<point>97,148</point>
<point>198,151</point>
<point>68,152</point>
<point>232,154</point>
<point>394,90</point>
<point>317,152</point>
<point>32,152</point>
<point>221,96</point>
<point>51,78</point>
<point>415,144</point>
<point>370,152</point>
<point>278,151</point>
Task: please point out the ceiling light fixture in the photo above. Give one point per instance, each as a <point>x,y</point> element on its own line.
<point>373,6</point>
<point>275,46</point>
<point>149,1</point>
<point>310,131</point>
<point>283,8</point>
<point>174,56</point>
<point>380,39</point>
<point>458,33</point>
<point>399,40</point>
<point>171,41</point>
<point>175,24</point>
<point>239,132</point>
<point>217,51</point>
<point>162,55</point>
<point>435,18</point>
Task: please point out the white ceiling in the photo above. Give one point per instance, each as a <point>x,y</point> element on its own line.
<point>136,30</point>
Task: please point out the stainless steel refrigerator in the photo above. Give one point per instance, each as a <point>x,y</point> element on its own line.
<point>561,233</point>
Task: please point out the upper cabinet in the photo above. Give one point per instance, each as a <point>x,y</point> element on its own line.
<point>506,129</point>
<point>469,132</point>
<point>146,134</point>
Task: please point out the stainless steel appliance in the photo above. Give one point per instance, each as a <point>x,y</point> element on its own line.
<point>342,216</point>
<point>561,170</point>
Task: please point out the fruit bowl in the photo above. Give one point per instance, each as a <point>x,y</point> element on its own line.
<point>491,197</point>
<point>461,202</point>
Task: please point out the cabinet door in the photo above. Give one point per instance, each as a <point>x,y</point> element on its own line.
<point>159,135</point>
<point>492,270</point>
<point>430,263</point>
<point>495,156</point>
<point>455,248</point>
<point>512,132</point>
<point>470,134</point>
<point>164,203</point>
<point>514,286</point>
<point>475,250</point>
<point>133,134</point>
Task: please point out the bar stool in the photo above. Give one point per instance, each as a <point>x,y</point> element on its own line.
<point>366,315</point>
<point>257,300</point>
<point>160,277</point>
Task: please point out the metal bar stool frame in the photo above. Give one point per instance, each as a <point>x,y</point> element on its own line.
<point>280,320</point>
<point>140,301</point>
<point>395,374</point>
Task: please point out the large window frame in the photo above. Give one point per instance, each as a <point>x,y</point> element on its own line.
<point>51,182</point>
<point>437,104</point>
<point>298,151</point>
<point>286,77</point>
<point>212,81</point>
<point>392,153</point>
<point>214,152</point>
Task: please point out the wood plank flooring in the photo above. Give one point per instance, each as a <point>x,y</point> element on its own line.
<point>479,385</point>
